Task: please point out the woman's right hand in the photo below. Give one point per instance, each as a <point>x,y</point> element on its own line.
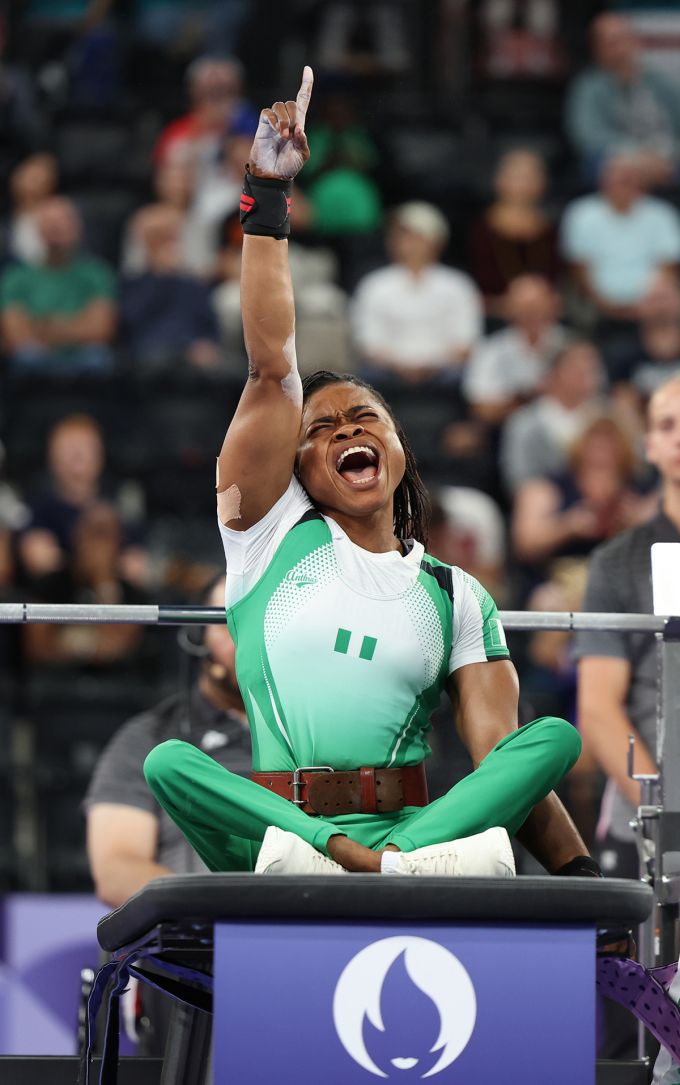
<point>280,147</point>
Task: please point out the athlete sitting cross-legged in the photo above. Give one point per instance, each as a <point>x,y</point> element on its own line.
<point>346,631</point>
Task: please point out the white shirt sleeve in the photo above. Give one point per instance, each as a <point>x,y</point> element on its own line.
<point>666,233</point>
<point>370,324</point>
<point>483,379</point>
<point>465,324</point>
<point>478,634</point>
<point>249,553</point>
<point>576,234</point>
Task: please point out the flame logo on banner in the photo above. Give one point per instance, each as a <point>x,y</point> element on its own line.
<point>441,984</point>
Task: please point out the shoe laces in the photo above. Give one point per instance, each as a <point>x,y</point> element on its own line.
<point>441,863</point>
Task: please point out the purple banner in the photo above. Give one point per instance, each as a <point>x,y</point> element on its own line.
<point>347,1004</point>
<point>45,942</point>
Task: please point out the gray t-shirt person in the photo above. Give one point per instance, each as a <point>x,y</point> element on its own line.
<point>119,778</point>
<point>620,581</point>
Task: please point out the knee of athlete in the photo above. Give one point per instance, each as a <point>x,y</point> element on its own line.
<point>161,763</point>
<point>566,738</point>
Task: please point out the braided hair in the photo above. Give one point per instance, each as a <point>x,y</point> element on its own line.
<point>411,504</point>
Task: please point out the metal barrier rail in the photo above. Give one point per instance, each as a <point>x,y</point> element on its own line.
<point>565,621</point>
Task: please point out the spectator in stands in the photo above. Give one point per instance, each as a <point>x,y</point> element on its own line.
<point>214,200</point>
<point>14,516</point>
<point>514,236</point>
<point>510,365</point>
<point>536,438</point>
<point>621,106</point>
<point>173,185</point>
<point>92,574</point>
<point>22,121</point>
<point>322,333</point>
<point>130,838</point>
<point>467,529</point>
<point>566,515</point>
<point>79,38</point>
<point>59,316</point>
<point>75,461</point>
<point>650,358</point>
<point>30,184</point>
<point>217,110</point>
<point>344,197</point>
<point>416,320</point>
<point>184,27</point>
<point>617,240</point>
<point>166,315</point>
<point>618,671</point>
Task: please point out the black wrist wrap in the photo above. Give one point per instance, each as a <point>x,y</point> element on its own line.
<point>583,866</point>
<point>265,207</point>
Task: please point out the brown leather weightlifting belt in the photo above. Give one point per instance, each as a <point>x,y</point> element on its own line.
<point>319,789</point>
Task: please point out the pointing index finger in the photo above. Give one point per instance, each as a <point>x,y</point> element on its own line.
<point>303,95</point>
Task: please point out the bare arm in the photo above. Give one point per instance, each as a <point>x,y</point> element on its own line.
<point>258,455</point>
<point>603,683</point>
<point>540,527</point>
<point>121,845</point>
<point>95,324</point>
<point>485,696</point>
<point>18,328</point>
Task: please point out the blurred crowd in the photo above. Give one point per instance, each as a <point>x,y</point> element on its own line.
<point>487,230</point>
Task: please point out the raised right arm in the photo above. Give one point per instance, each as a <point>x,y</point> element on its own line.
<point>258,455</point>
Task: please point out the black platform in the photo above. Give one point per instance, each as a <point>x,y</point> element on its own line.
<point>203,899</point>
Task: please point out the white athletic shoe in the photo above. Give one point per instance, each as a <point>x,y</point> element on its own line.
<point>485,855</point>
<point>286,853</point>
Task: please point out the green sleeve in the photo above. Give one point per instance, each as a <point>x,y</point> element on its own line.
<point>101,280</point>
<point>12,287</point>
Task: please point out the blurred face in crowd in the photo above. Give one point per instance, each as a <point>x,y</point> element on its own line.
<point>215,87</point>
<point>614,45</point>
<point>576,375</point>
<point>59,226</point>
<point>531,304</point>
<point>158,228</point>
<point>33,180</point>
<point>236,153</point>
<point>621,182</point>
<point>663,431</point>
<point>411,249</point>
<point>76,453</point>
<point>520,178</point>
<point>173,183</point>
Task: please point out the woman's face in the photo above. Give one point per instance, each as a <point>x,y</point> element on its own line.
<point>521,178</point>
<point>350,459</point>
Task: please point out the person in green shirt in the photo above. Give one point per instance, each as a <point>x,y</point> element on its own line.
<point>59,316</point>
<point>346,630</point>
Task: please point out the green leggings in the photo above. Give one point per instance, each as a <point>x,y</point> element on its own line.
<point>224,816</point>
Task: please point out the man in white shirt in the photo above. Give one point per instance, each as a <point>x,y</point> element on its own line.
<point>416,320</point>
<point>617,240</point>
<point>509,366</point>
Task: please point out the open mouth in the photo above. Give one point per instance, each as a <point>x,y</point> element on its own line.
<point>358,465</point>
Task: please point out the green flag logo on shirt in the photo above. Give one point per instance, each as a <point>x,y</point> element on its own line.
<point>343,640</point>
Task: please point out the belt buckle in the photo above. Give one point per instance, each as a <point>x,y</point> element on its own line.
<point>298,784</point>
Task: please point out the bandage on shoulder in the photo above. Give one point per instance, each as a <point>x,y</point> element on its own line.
<point>265,206</point>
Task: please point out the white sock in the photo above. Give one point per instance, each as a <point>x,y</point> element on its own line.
<point>388,862</point>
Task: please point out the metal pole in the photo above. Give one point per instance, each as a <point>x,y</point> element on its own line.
<point>513,620</point>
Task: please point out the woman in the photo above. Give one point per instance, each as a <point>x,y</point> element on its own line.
<point>514,236</point>
<point>345,630</point>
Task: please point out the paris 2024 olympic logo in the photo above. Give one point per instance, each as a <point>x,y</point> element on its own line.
<point>404,1008</point>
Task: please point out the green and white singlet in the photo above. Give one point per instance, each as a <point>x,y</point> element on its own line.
<point>342,654</point>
